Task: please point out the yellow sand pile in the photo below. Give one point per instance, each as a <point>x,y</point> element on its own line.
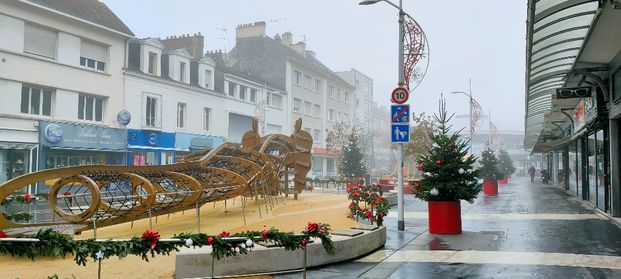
<point>288,215</point>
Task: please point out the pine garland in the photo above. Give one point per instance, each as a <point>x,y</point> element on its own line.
<point>371,195</point>
<point>54,244</point>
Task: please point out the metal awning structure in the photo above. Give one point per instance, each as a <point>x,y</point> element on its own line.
<point>557,30</point>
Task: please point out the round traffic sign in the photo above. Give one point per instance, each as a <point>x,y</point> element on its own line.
<point>400,95</point>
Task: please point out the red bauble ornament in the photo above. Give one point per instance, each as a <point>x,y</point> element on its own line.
<point>265,233</point>
<point>27,197</point>
<point>438,162</point>
<point>3,234</point>
<point>303,242</point>
<point>210,240</point>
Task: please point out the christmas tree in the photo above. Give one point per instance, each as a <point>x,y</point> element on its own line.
<point>505,164</point>
<point>489,165</point>
<point>448,173</point>
<point>352,163</point>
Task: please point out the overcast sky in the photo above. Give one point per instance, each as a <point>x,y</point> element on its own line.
<point>479,39</point>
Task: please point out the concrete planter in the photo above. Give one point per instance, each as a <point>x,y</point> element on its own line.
<point>193,263</point>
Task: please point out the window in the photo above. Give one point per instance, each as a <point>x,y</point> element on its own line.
<point>253,95</point>
<point>276,100</point>
<point>297,105</point>
<point>182,71</point>
<point>242,92</point>
<point>338,116</point>
<point>317,110</point>
<point>308,81</point>
<point>331,114</point>
<point>338,94</point>
<point>231,87</point>
<point>308,106</point>
<point>39,41</point>
<point>330,91</point>
<point>167,158</point>
<point>90,108</point>
<point>318,85</point>
<point>152,107</point>
<point>181,109</point>
<point>346,97</point>
<point>153,63</point>
<point>297,77</point>
<point>316,135</point>
<point>208,78</point>
<point>36,101</point>
<point>93,55</point>
<point>206,119</point>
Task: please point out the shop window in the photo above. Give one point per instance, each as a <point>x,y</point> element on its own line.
<point>167,158</point>
<point>90,108</point>
<point>93,55</point>
<point>13,163</point>
<point>36,101</point>
<point>602,186</point>
<point>40,41</point>
<point>591,168</point>
<point>142,158</point>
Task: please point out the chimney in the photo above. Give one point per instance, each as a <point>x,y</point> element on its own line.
<point>194,44</point>
<point>256,29</point>
<point>300,47</point>
<point>277,37</point>
<point>287,38</point>
<point>310,53</point>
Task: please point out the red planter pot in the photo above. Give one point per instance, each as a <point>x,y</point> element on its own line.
<point>444,217</point>
<point>490,187</point>
<point>503,181</point>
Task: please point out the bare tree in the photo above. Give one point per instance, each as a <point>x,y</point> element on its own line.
<point>338,138</point>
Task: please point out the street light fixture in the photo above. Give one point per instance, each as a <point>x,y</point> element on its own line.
<point>401,79</point>
<point>469,94</point>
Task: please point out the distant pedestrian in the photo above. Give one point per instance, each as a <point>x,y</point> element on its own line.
<point>531,172</point>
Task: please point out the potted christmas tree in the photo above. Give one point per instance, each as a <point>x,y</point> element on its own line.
<point>447,177</point>
<point>489,172</point>
<point>505,166</point>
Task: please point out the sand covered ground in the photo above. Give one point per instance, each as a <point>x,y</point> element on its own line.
<point>288,215</point>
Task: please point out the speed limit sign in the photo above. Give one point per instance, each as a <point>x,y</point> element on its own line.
<point>400,95</point>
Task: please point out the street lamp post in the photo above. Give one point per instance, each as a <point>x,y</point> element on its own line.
<point>469,94</point>
<point>401,79</point>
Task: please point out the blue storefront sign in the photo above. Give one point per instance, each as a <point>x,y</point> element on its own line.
<point>89,137</point>
<point>148,147</point>
<point>193,142</point>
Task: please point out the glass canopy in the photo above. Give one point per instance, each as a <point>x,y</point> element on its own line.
<point>557,31</point>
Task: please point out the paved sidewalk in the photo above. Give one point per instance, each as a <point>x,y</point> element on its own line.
<point>530,230</point>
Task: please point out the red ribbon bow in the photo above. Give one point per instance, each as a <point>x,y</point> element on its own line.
<point>152,236</point>
<point>3,235</point>
<point>312,227</point>
<point>224,234</point>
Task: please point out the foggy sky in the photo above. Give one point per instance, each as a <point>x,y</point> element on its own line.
<point>481,39</point>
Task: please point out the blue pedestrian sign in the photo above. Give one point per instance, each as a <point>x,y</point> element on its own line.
<point>400,133</point>
<point>400,114</point>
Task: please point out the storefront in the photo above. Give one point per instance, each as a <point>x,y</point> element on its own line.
<point>18,153</point>
<point>186,143</point>
<point>150,148</point>
<point>67,145</point>
<point>325,162</point>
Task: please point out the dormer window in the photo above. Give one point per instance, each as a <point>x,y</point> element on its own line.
<point>153,63</point>
<point>208,79</point>
<point>182,72</point>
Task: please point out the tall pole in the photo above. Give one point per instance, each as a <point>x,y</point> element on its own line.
<point>471,105</point>
<point>400,219</point>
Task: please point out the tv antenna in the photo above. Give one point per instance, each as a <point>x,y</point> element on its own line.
<point>225,31</point>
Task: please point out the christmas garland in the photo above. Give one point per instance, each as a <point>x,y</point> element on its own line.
<point>23,199</point>
<point>370,195</point>
<point>18,217</point>
<point>55,244</point>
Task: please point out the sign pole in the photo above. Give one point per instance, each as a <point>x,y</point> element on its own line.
<point>400,219</point>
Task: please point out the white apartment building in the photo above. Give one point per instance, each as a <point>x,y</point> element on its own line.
<point>315,93</point>
<point>61,85</point>
<point>383,154</point>
<point>188,103</point>
<point>362,106</point>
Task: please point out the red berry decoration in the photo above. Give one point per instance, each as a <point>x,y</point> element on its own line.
<point>265,233</point>
<point>224,234</point>
<point>438,162</point>
<point>210,240</point>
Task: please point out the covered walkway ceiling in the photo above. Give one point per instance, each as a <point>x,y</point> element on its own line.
<point>557,30</point>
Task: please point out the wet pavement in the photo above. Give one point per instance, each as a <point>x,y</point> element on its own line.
<point>530,230</point>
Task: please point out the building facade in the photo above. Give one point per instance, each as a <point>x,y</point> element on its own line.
<point>314,92</point>
<point>61,85</point>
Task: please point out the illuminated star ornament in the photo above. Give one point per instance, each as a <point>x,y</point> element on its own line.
<point>99,255</point>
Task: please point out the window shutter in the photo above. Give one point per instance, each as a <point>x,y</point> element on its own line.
<point>93,51</point>
<point>40,41</point>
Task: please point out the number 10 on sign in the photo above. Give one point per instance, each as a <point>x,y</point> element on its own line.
<point>400,95</point>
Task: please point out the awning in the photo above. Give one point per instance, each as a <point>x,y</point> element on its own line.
<point>556,144</point>
<point>557,30</point>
